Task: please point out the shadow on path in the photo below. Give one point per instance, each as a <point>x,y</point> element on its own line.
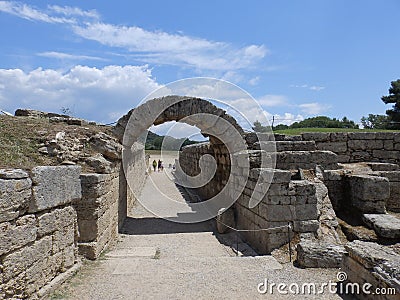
<point>154,225</point>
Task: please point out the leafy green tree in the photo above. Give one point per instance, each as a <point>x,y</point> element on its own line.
<point>393,97</point>
<point>375,121</point>
<point>324,122</point>
<point>259,128</point>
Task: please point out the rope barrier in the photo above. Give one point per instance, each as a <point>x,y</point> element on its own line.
<point>254,230</point>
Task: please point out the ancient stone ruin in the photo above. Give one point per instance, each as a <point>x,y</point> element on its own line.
<point>337,193</point>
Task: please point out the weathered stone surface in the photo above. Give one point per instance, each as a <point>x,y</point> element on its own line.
<point>315,136</point>
<point>14,196</point>
<point>270,175</point>
<point>19,261</point>
<point>376,166</point>
<point>338,136</point>
<point>371,254</point>
<point>361,233</point>
<point>369,193</point>
<point>15,236</point>
<point>56,219</point>
<point>319,255</point>
<point>337,147</point>
<point>387,226</point>
<point>100,164</point>
<point>54,186</point>
<point>362,135</point>
<point>225,218</point>
<point>106,145</point>
<point>13,174</point>
<point>306,226</point>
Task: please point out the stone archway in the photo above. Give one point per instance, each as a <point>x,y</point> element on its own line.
<point>170,108</point>
<point>212,121</point>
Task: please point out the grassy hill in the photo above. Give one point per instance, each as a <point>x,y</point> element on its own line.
<point>154,142</point>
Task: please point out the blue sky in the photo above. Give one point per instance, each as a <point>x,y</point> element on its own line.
<point>298,58</point>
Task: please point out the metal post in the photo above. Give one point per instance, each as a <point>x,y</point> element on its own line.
<point>290,246</point>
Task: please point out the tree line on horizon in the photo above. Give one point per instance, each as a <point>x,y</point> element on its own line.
<point>373,121</point>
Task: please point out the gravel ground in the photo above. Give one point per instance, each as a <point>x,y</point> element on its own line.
<point>159,259</point>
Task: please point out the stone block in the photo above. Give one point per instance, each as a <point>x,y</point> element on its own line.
<point>369,188</point>
<point>386,155</point>
<point>306,212</point>
<point>336,147</point>
<point>63,238</point>
<point>377,166</point>
<point>316,136</point>
<point>302,187</point>
<point>55,220</point>
<point>374,144</point>
<point>319,255</point>
<point>14,196</point>
<point>387,226</point>
<point>19,261</point>
<point>339,137</point>
<point>388,145</point>
<point>384,135</point>
<point>270,175</point>
<point>14,236</point>
<point>54,186</point>
<point>306,226</point>
<point>362,135</point>
<point>13,174</point>
<point>358,144</point>
<point>333,175</point>
<point>276,213</point>
<point>370,254</point>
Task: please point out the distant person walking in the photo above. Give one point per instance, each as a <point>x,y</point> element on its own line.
<point>159,165</point>
<point>154,165</point>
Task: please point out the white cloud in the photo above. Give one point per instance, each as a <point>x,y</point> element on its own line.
<point>306,86</point>
<point>316,88</point>
<point>74,11</point>
<point>173,49</point>
<point>272,100</point>
<point>254,80</point>
<point>29,13</point>
<point>66,56</point>
<point>96,94</point>
<point>287,118</point>
<point>146,46</point>
<point>314,108</point>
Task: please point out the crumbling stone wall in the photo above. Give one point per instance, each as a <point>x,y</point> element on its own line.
<point>38,227</point>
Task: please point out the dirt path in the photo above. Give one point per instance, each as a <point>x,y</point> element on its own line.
<point>159,259</point>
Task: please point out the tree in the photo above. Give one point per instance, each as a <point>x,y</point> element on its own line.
<point>375,121</point>
<point>324,122</point>
<point>393,97</point>
<point>259,128</point>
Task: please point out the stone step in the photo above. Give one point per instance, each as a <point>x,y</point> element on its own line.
<point>280,146</point>
<point>385,225</point>
<point>293,160</point>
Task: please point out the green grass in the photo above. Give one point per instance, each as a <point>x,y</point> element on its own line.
<point>296,131</point>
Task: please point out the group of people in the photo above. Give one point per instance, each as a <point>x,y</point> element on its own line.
<point>158,165</point>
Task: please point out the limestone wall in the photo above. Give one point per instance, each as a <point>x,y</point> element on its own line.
<point>286,201</point>
<point>359,146</point>
<point>97,213</point>
<point>38,227</point>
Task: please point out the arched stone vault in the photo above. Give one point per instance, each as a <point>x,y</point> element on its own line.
<point>174,108</point>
